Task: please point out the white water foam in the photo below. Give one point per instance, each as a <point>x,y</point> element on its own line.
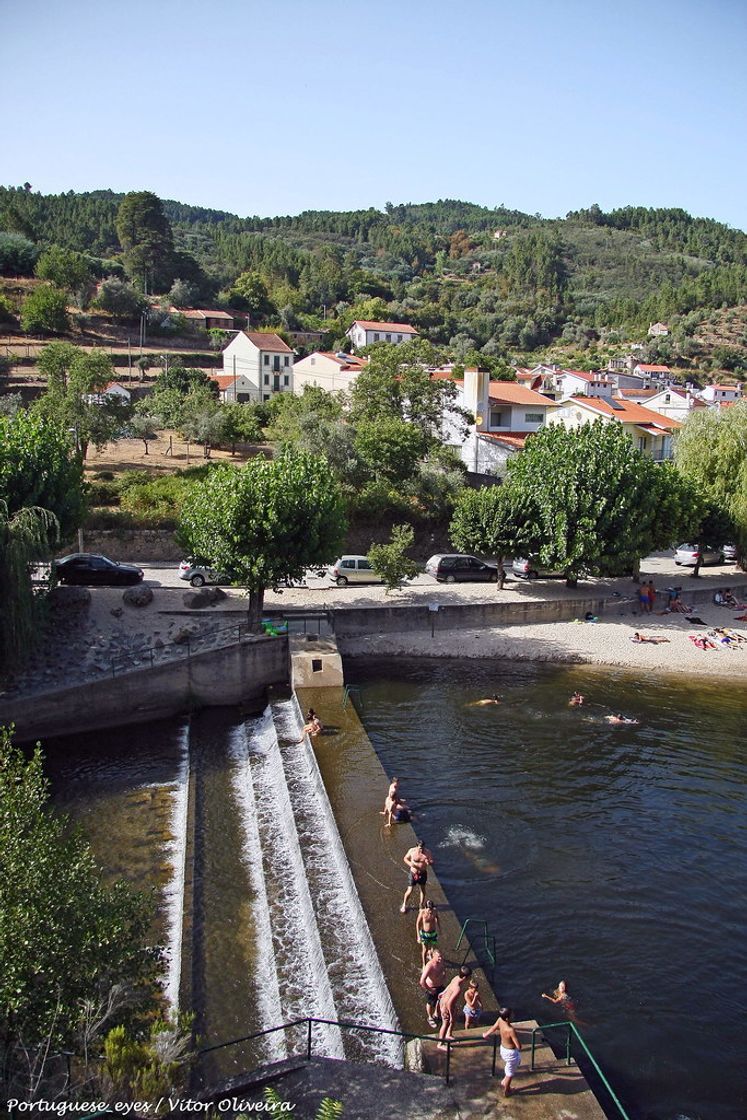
<point>361,993</point>
<point>305,990</point>
<point>265,975</point>
<point>174,891</point>
<point>459,837</point>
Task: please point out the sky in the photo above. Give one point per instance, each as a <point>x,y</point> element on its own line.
<point>280,106</point>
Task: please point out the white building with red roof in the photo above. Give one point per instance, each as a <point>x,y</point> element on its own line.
<point>235,388</point>
<point>206,319</point>
<point>365,333</point>
<point>264,362</point>
<point>334,372</point>
<point>650,431</point>
<point>505,413</point>
<point>721,394</point>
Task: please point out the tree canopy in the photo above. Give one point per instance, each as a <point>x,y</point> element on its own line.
<point>582,502</point>
<point>265,522</point>
<point>65,938</point>
<point>711,451</point>
<point>145,235</point>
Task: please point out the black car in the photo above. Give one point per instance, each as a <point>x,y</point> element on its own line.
<point>457,568</point>
<point>96,571</point>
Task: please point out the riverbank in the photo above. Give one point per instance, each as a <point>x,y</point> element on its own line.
<point>608,641</point>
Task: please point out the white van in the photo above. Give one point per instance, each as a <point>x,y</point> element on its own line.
<point>353,569</point>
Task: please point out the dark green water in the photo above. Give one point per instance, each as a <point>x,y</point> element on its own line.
<point>613,858</point>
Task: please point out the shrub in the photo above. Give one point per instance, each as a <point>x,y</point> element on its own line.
<point>45,310</point>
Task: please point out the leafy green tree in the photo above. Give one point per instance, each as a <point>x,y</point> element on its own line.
<point>65,938</point>
<point>119,298</point>
<point>591,503</point>
<point>185,379</point>
<point>390,560</point>
<point>182,294</point>
<point>390,448</point>
<point>24,538</point>
<point>38,469</point>
<point>55,361</point>
<point>249,293</point>
<point>64,268</point>
<point>17,255</point>
<point>266,522</point>
<point>44,311</point>
<point>80,405</point>
<point>490,522</point>
<point>10,404</point>
<point>145,235</point>
<point>711,452</point>
<point>240,425</point>
<point>7,311</point>
<point>142,426</point>
<point>396,385</point>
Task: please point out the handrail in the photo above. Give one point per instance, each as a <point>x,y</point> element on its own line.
<point>574,1032</point>
<point>463,933</point>
<point>344,1024</point>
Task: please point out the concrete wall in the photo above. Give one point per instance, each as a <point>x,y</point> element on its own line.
<point>232,675</point>
<point>351,622</point>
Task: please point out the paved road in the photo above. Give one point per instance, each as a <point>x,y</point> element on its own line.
<point>322,593</point>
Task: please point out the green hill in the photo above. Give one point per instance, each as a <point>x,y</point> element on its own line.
<point>468,277</point>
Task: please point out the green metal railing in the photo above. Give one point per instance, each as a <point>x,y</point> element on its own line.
<point>348,695</point>
<point>572,1032</point>
<point>488,939</point>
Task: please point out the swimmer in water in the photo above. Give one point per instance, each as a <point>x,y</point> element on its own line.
<point>576,700</point>
<point>619,720</point>
<point>561,996</point>
<point>494,699</point>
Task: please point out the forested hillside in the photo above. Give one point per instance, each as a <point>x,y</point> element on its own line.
<point>468,277</point>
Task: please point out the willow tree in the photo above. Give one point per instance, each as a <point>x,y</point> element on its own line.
<point>24,537</point>
<point>265,522</point>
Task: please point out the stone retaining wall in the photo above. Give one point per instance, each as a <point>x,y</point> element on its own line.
<point>233,674</point>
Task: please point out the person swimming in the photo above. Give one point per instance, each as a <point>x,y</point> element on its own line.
<point>562,997</point>
<point>494,699</point>
<point>619,720</point>
<point>576,700</point>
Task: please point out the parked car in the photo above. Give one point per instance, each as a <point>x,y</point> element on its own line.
<point>525,568</point>
<point>730,553</point>
<point>198,574</point>
<point>353,569</point>
<point>458,568</point>
<point>686,555</point>
<point>91,570</point>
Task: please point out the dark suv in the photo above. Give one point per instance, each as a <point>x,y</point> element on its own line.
<point>458,568</point>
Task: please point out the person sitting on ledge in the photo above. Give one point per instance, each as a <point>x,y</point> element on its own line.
<point>312,728</point>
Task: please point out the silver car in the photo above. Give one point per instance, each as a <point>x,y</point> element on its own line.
<point>353,569</point>
<point>198,575</point>
<point>686,555</point>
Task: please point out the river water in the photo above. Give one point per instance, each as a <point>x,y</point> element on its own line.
<point>612,857</point>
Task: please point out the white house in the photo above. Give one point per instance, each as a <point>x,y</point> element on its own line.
<point>238,389</point>
<point>650,431</point>
<point>505,415</point>
<point>264,361</point>
<point>334,372</point>
<point>674,403</point>
<point>721,394</point>
<point>112,391</point>
<point>656,375</point>
<point>363,333</point>
<point>658,330</point>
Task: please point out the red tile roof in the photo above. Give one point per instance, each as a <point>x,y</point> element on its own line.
<point>514,440</point>
<point>508,392</point>
<point>653,369</point>
<point>268,342</point>
<point>629,412</point>
<point>349,361</point>
<point>397,328</point>
<point>638,392</point>
<point>225,380</point>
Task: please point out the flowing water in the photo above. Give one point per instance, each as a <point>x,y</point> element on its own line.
<point>612,857</point>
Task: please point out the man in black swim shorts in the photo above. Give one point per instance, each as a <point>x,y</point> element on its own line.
<point>418,860</point>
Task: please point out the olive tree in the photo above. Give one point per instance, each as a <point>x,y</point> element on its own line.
<point>265,522</point>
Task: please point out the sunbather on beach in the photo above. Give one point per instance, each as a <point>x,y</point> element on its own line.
<point>649,638</point>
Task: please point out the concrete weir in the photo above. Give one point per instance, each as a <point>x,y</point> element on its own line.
<point>356,785</point>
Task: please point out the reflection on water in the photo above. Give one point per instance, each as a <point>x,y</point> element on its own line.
<point>614,857</point>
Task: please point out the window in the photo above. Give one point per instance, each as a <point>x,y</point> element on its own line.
<point>399,338</point>
<point>641,443</point>
<point>265,396</point>
<point>667,398</point>
<point>498,419</point>
<point>276,363</point>
<point>286,380</point>
<point>533,418</point>
<point>267,379</point>
<point>376,337</point>
<point>389,338</point>
<point>243,398</point>
<point>364,566</point>
<point>267,359</point>
<point>312,362</point>
<point>348,564</point>
<point>285,360</point>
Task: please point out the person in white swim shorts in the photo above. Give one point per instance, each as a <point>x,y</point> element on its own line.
<point>510,1046</point>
